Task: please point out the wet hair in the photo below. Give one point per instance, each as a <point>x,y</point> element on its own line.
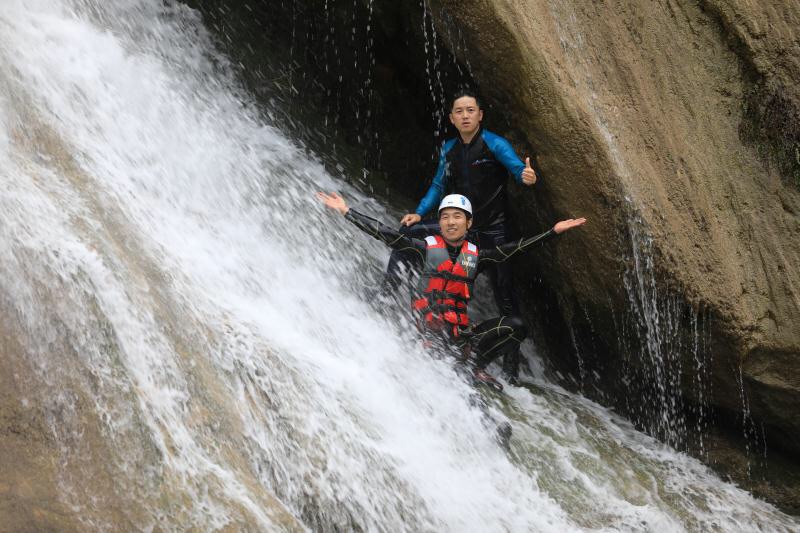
<point>461,93</point>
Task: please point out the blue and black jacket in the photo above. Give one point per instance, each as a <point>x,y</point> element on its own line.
<point>478,170</point>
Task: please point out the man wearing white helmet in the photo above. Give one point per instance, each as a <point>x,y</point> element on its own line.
<point>445,288</point>
<point>476,163</point>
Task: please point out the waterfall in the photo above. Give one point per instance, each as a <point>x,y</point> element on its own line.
<point>190,325</point>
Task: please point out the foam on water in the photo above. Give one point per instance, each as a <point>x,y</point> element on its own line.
<point>163,251</point>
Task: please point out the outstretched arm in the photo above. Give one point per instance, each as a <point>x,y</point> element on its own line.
<point>333,201</point>
<point>511,249</point>
<point>370,226</point>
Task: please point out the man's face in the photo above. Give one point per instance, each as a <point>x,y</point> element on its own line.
<point>466,116</point>
<point>454,224</point>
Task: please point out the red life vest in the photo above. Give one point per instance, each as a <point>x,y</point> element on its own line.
<point>445,285</point>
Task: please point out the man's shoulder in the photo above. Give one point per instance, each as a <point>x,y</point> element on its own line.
<point>448,144</point>
<point>435,240</point>
<point>491,138</point>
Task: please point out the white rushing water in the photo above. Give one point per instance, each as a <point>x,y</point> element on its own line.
<point>194,322</point>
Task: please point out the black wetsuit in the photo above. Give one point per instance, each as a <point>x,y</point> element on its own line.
<point>479,170</point>
<point>492,338</point>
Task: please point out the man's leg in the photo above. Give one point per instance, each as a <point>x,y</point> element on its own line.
<point>494,338</point>
<point>501,277</point>
<point>401,260</point>
<point>499,273</point>
<point>497,337</point>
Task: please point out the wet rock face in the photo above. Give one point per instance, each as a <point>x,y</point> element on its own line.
<point>676,124</point>
<point>29,499</point>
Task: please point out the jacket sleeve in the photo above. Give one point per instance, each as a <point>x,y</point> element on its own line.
<point>505,153</point>
<point>393,238</point>
<point>436,190</point>
<point>512,249</point>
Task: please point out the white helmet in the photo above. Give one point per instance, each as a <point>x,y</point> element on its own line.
<point>459,201</point>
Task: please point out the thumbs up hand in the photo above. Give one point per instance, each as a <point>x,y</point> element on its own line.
<point>528,174</point>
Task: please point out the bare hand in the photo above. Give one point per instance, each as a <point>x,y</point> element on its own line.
<point>410,219</point>
<point>334,201</point>
<point>528,174</point>
<point>565,225</point>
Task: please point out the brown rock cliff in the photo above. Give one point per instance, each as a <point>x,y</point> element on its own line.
<point>682,116</point>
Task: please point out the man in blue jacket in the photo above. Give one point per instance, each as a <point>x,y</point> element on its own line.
<point>476,164</point>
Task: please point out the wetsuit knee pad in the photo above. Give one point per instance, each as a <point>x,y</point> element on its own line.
<point>515,322</point>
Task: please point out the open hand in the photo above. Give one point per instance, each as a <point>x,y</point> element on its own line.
<point>568,224</point>
<point>410,219</point>
<point>528,174</point>
<point>333,201</point>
